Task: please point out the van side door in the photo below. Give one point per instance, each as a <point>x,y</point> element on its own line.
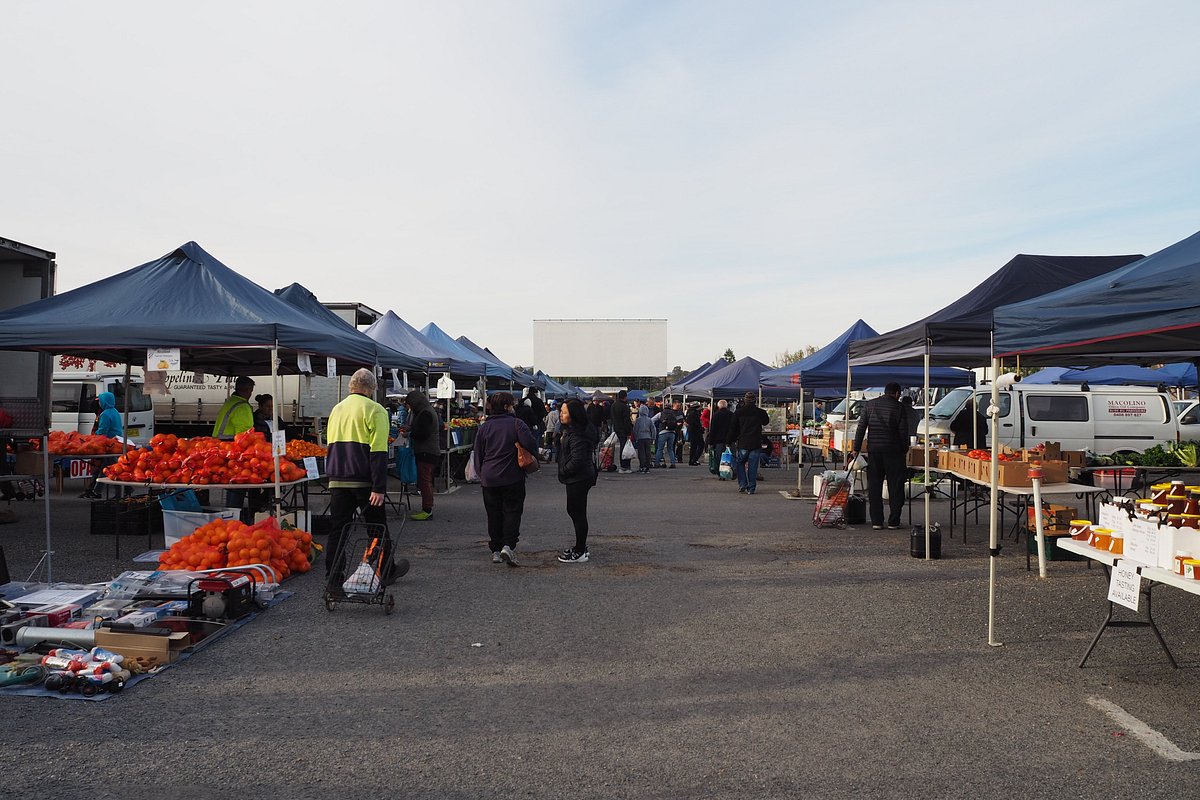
<point>1007,422</point>
<point>1064,418</point>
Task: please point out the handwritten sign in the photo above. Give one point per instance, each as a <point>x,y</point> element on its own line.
<point>310,466</point>
<point>1125,586</point>
<point>1142,542</point>
<point>280,441</point>
<point>162,358</point>
<point>1111,516</point>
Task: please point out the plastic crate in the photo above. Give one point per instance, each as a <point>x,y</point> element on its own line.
<point>178,524</point>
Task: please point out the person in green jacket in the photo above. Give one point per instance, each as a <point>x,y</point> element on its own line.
<point>236,415</point>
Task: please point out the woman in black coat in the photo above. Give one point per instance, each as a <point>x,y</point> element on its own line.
<point>577,471</point>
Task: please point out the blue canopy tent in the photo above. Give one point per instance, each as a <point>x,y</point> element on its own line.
<point>685,386</point>
<point>445,343</point>
<point>734,380</point>
<point>641,395</point>
<point>551,388</point>
<point>1145,312</point>
<point>677,387</point>
<point>827,368</point>
<point>222,322</point>
<point>514,375</point>
<point>306,301</point>
<point>400,336</point>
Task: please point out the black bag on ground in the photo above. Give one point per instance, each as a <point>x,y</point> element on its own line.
<point>916,541</point>
<point>856,510</point>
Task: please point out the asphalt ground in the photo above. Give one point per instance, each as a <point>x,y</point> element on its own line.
<point>717,645</point>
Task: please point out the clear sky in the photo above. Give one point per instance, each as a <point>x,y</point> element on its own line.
<point>761,174</point>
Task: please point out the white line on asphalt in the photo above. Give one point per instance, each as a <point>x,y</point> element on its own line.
<point>1145,734</point>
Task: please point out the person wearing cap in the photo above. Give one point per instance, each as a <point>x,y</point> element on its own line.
<point>357,465</point>
<point>884,423</point>
<point>236,415</point>
<point>745,434</point>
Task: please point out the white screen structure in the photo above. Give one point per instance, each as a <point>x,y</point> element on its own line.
<point>600,347</point>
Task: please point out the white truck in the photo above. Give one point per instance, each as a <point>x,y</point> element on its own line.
<point>1102,419</point>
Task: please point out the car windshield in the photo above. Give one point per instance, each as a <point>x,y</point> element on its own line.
<point>949,405</point>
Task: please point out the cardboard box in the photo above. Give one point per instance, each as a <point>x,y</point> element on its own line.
<point>28,463</point>
<point>1014,473</point>
<point>1054,517</point>
<point>163,649</point>
<point>916,457</point>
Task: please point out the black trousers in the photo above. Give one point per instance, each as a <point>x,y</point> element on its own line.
<point>697,450</point>
<point>342,505</point>
<point>643,448</point>
<point>577,495</point>
<point>892,468</point>
<point>504,506</point>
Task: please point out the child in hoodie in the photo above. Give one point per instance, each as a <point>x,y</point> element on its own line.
<point>107,424</point>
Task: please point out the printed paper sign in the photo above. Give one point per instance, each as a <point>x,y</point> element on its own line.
<point>310,465</point>
<point>304,363</point>
<point>445,388</point>
<point>280,440</point>
<point>1125,586</point>
<point>1141,542</point>
<point>331,368</point>
<point>162,358</point>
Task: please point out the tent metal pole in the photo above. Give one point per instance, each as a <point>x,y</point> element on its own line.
<point>277,505</point>
<point>46,504</point>
<point>800,447</point>
<point>928,511</point>
<point>993,520</point>
<point>125,422</point>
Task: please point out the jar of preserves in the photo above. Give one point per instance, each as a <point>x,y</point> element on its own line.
<point>1081,529</point>
<point>1101,538</point>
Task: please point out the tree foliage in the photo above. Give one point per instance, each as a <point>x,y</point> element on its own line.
<point>792,356</point>
<point>729,356</point>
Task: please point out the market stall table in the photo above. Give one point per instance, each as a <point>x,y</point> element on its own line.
<point>1153,575</point>
<point>1021,494</point>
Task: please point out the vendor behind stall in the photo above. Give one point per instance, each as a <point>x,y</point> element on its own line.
<point>109,423</point>
<point>236,416</point>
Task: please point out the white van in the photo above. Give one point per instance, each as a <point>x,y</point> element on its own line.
<point>1103,419</point>
<point>72,403</point>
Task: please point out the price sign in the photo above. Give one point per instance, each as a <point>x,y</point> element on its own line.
<point>310,466</point>
<point>304,363</point>
<point>1141,542</point>
<point>1125,586</point>
<point>1110,516</point>
<point>162,358</point>
<point>331,368</point>
<point>280,441</point>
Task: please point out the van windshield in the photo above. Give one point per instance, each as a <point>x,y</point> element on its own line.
<point>949,405</point>
<point>138,401</point>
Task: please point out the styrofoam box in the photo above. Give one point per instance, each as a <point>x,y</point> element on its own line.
<point>178,524</point>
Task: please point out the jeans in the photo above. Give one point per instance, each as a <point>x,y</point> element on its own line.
<point>343,503</point>
<point>745,465</point>
<point>892,468</point>
<point>504,506</point>
<point>577,495</point>
<point>666,447</point>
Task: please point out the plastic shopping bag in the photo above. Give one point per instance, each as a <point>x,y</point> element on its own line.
<point>611,441</point>
<point>469,471</point>
<point>365,578</point>
<point>628,452</point>
<point>726,470</point>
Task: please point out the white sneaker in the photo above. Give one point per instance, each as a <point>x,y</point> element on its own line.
<point>496,558</point>
<point>569,556</point>
<point>508,556</point>
<point>624,472</point>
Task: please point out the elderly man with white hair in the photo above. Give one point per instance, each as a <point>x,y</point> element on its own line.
<point>357,467</point>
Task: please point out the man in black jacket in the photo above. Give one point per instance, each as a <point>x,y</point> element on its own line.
<point>745,434</point>
<point>695,435</point>
<point>622,425</point>
<point>885,425</point>
<point>718,428</point>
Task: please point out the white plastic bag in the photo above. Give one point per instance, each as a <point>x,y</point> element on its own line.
<point>858,464</point>
<point>469,471</point>
<point>628,452</point>
<point>611,441</point>
<point>364,580</point>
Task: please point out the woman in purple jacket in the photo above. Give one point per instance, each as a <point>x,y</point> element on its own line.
<point>502,480</point>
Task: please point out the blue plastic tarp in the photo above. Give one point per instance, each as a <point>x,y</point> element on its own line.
<point>1145,312</point>
<point>222,322</point>
<point>826,368</point>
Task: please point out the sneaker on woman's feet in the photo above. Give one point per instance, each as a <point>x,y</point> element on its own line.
<point>496,559</point>
<point>571,557</point>
<point>508,556</point>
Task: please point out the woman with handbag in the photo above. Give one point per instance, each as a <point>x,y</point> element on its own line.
<point>501,467</point>
<point>576,471</point>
